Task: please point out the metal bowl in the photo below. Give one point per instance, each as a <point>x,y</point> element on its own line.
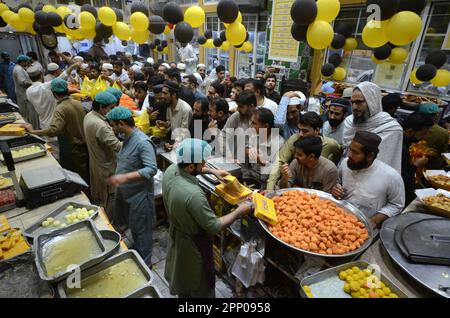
<point>342,204</point>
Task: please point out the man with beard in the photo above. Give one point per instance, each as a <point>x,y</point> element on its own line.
<point>200,119</point>
<point>271,93</point>
<point>262,101</point>
<point>190,82</point>
<point>368,116</point>
<point>185,93</point>
<point>288,113</point>
<point>189,265</point>
<point>334,127</point>
<point>21,82</point>
<point>119,73</point>
<point>219,112</point>
<point>368,183</point>
<point>415,128</point>
<point>200,75</point>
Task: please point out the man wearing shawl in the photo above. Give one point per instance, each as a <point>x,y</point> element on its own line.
<point>368,116</point>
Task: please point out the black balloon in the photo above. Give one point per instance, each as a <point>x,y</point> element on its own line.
<point>344,28</point>
<point>304,12</point>
<point>160,48</point>
<point>90,9</point>
<point>71,22</point>
<point>41,29</point>
<point>208,34</point>
<point>139,7</point>
<point>38,7</point>
<point>201,40</point>
<point>152,46</point>
<point>298,32</point>
<point>217,42</point>
<point>327,70</point>
<point>124,43</point>
<point>103,31</point>
<point>173,13</point>
<point>183,32</point>
<point>382,52</point>
<point>119,14</point>
<point>223,36</point>
<point>157,42</point>
<point>426,72</point>
<point>239,46</point>
<point>387,7</point>
<point>157,8</point>
<point>55,19</point>
<point>247,36</point>
<point>97,39</point>
<point>2,23</point>
<point>41,18</point>
<point>412,5</point>
<point>335,59</point>
<point>156,24</point>
<point>164,43</point>
<point>437,58</point>
<point>227,11</point>
<point>338,41</point>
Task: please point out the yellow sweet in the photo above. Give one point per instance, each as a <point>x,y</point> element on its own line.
<point>347,288</point>
<point>387,290</point>
<point>343,275</point>
<point>45,223</point>
<point>349,272</point>
<point>355,269</point>
<point>355,286</point>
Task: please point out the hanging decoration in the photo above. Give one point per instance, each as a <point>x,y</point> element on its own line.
<point>432,70</point>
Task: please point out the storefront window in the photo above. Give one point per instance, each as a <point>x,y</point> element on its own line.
<point>115,4</point>
<point>437,37</point>
<point>186,2</point>
<point>215,57</point>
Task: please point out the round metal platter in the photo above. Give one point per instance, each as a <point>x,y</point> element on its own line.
<point>342,204</point>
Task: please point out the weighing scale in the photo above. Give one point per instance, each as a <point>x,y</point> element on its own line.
<point>7,106</point>
<point>17,141</point>
<point>48,184</point>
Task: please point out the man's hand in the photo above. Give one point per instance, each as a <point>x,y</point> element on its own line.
<point>420,162</point>
<point>246,208</point>
<point>152,114</point>
<point>118,179</point>
<point>162,124</point>
<point>28,127</point>
<point>220,173</point>
<point>338,191</point>
<point>285,172</point>
<point>290,94</point>
<point>213,124</point>
<point>378,219</point>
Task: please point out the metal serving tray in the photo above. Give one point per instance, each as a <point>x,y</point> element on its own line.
<point>6,175</point>
<point>343,204</point>
<point>130,254</point>
<point>327,284</point>
<point>42,240</point>
<point>58,214</point>
<point>146,292</point>
<point>8,118</point>
<point>111,240</point>
<point>41,153</point>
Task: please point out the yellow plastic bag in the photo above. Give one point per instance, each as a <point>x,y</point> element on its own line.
<point>99,86</point>
<point>143,122</point>
<point>115,85</point>
<point>86,86</point>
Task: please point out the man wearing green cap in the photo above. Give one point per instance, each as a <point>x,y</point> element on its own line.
<point>136,167</point>
<point>189,263</point>
<point>437,137</point>
<point>103,147</point>
<point>21,82</point>
<point>117,93</point>
<point>67,124</point>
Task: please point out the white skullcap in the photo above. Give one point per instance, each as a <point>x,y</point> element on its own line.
<point>107,66</point>
<point>78,58</point>
<point>150,60</point>
<point>347,93</point>
<point>84,66</point>
<point>297,100</point>
<point>166,65</point>
<point>201,65</point>
<point>181,66</point>
<point>136,68</point>
<point>52,67</point>
<point>128,54</point>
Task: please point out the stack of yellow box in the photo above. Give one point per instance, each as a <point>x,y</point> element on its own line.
<point>264,209</point>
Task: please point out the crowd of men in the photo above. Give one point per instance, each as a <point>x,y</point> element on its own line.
<point>356,149</point>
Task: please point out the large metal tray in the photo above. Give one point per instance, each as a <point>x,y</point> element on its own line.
<point>432,277</point>
<point>58,214</point>
<point>146,292</point>
<point>343,204</point>
<point>130,254</point>
<point>327,284</point>
<point>7,175</point>
<point>111,240</point>
<point>42,240</point>
<point>41,153</point>
<point>7,118</point>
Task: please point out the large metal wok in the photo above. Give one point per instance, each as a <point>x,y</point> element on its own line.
<point>343,204</point>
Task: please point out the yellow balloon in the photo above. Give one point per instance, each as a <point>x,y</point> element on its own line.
<point>374,34</point>
<point>26,15</point>
<point>30,29</point>
<point>413,77</point>
<point>165,50</point>
<point>403,28</point>
<point>377,61</point>
<point>3,7</point>
<point>87,20</point>
<point>17,23</point>
<point>350,44</point>
<point>328,10</point>
<point>238,19</point>
<point>63,11</point>
<point>87,33</point>
<point>122,31</point>
<point>107,16</point>
<point>398,55</point>
<point>7,15</point>
<point>76,34</point>
<point>195,16</point>
<point>48,8</point>
<point>441,79</point>
<point>60,28</point>
<point>209,44</point>
<point>140,37</point>
<point>236,33</point>
<point>339,73</point>
<point>225,46</point>
<point>139,21</point>
<point>247,46</point>
<point>166,30</point>
<point>319,35</point>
